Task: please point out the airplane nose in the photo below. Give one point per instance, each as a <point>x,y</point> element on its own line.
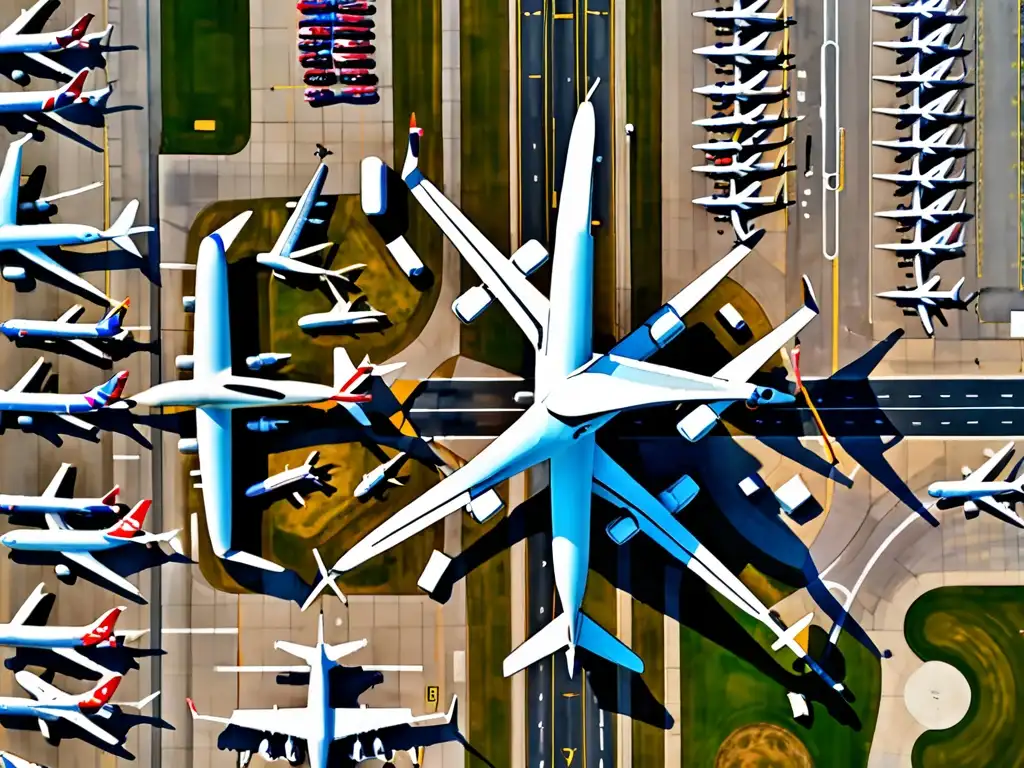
<point>7,539</point>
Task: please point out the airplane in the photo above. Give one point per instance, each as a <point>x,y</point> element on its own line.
<point>106,395</point>
<point>940,143</point>
<point>576,393</point>
<point>930,10</point>
<point>927,300</point>
<point>10,760</point>
<point>317,725</point>
<point>64,330</point>
<point>754,144</point>
<point>301,475</point>
<point>380,476</point>
<point>946,242</point>
<point>216,392</point>
<point>288,264</point>
<point>355,316</point>
<point>28,240</point>
<point>936,177</point>
<point>743,17</point>
<point>738,200</point>
<point>933,80</point>
<point>728,122</point>
<point>752,89</point>
<point>941,109</point>
<point>49,426</point>
<point>744,53</point>
<point>728,168</point>
<point>58,499</point>
<point>979,490</point>
<point>932,213</point>
<point>79,547</point>
<point>56,705</point>
<point>933,44</point>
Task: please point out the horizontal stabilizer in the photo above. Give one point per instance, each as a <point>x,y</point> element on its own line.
<point>791,633</point>
<point>600,642</point>
<point>547,641</point>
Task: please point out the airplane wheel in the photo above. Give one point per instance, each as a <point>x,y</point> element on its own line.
<point>65,575</point>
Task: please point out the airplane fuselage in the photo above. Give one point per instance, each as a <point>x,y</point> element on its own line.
<point>357,319</point>
<point>31,636</point>
<point>41,235</point>
<point>279,481</point>
<point>15,707</point>
<point>225,390</point>
<point>44,402</point>
<point>48,329</point>
<point>961,490</point>
<point>318,699</point>
<point>29,540</point>
<point>41,42</point>
<point>54,505</point>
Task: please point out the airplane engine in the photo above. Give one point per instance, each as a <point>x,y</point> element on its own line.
<point>530,257</point>
<point>760,396</point>
<point>697,423</point>
<point>188,445</point>
<point>20,77</point>
<point>470,305</point>
<point>25,421</point>
<point>42,207</point>
<point>485,506</point>
<point>184,362</point>
<point>14,274</point>
<point>622,529</point>
<point>266,360</point>
<point>293,752</point>
<point>971,510</point>
<point>188,303</point>
<point>65,575</point>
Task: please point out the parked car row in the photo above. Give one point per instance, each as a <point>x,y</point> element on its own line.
<point>335,42</point>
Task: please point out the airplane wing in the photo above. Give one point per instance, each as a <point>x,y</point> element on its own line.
<point>86,561</point>
<point>31,381</point>
<point>63,483</point>
<point>293,227</point>
<point>10,181</point>
<point>31,21</point>
<point>51,64</point>
<point>352,722</point>
<point>89,349</point>
<point>72,315</point>
<point>35,611</point>
<point>213,433</point>
<point>926,319</point>
<point>999,509</point>
<point>518,448</point>
<point>993,466</point>
<point>27,121</point>
<point>35,256</point>
<point>211,345</point>
<point>79,720</point>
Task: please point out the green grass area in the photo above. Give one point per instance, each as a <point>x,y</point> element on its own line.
<point>649,644</point>
<point>204,52</point>
<point>483,37</point>
<point>977,630</point>
<point>722,692</point>
<point>643,109</point>
<point>489,628</point>
<point>331,524</point>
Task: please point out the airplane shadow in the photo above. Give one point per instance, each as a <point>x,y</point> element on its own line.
<point>120,659</point>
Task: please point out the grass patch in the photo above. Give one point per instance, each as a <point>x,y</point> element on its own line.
<point>259,302</point>
<point>977,630</point>
<point>489,628</point>
<point>649,644</point>
<point>204,48</point>
<point>483,37</point>
<point>643,109</point>
<point>722,692</point>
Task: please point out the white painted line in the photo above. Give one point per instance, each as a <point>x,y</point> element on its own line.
<point>974,396</point>
<point>179,265</point>
<point>126,457</point>
<point>200,630</point>
<point>914,397</point>
<point>1006,395</point>
<point>134,328</point>
<point>462,437</point>
<point>944,423</point>
<point>466,410</point>
<point>1006,422</point>
<point>945,397</point>
<point>972,422</point>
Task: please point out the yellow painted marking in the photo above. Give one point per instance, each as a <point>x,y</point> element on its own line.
<point>432,695</point>
<point>205,125</point>
<point>535,77</point>
<point>568,753</point>
<point>554,198</point>
<point>842,159</point>
<point>595,223</point>
<point>570,695</point>
<point>563,16</point>
<point>285,87</point>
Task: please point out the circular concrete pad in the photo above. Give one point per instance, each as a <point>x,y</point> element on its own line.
<point>937,695</point>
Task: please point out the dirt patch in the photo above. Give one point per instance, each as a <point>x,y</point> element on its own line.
<point>762,746</point>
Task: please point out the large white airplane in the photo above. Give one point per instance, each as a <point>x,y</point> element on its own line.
<point>946,242</point>
<point>318,725</point>
<point>744,16</point>
<point>941,109</point>
<point>58,499</point>
<point>923,9</point>
<point>934,178</point>
<point>215,391</point>
<point>576,393</point>
<point>927,300</point>
<point>932,213</point>
<point>25,37</point>
<point>979,490</point>
<point>19,400</point>
<point>79,547</point>
<point>932,44</point>
<point>732,168</point>
<point>727,122</point>
<point>749,52</point>
<point>50,705</point>
<point>933,79</point>
<point>66,331</point>
<point>28,240</point>
<point>940,142</point>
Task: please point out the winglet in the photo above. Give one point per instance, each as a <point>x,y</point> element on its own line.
<point>226,234</point>
<point>131,524</point>
<point>103,627</point>
<point>111,496</point>
<point>192,709</point>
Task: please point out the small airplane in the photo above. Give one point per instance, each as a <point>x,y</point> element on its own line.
<point>57,705</point>
<point>940,143</point>
<point>936,177</point>
<point>216,392</point>
<point>106,395</point>
<point>927,300</point>
<point>288,264</point>
<point>947,242</point>
<point>752,89</point>
<point>979,490</point>
<point>64,330</point>
<point>307,473</point>
<point>59,499</point>
<point>317,725</point>
<point>933,213</point>
<point>739,118</point>
<point>727,167</point>
<point>741,17</point>
<point>930,10</point>
<point>355,316</point>
<point>932,80</point>
<point>744,53</point>
<point>79,547</point>
<point>381,476</point>
<point>933,44</point>
<point>756,143</point>
<point>28,240</point>
<point>745,199</point>
<point>10,760</point>
<point>941,109</point>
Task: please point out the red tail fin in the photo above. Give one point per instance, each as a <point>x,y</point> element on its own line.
<point>102,628</point>
<point>130,525</point>
<point>95,699</point>
<point>75,87</point>
<point>75,32</point>
<point>111,497</point>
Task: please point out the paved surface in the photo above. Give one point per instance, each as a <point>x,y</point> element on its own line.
<point>532,121</point>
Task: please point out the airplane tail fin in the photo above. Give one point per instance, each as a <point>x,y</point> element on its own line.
<point>110,497</point>
<point>955,292</point>
<point>313,458</point>
<point>131,524</point>
<point>68,93</point>
<point>103,628</point>
<point>97,698</point>
<point>124,226</point>
<point>592,637</point>
<point>327,580</point>
<point>108,392</point>
<point>75,32</point>
<point>412,154</point>
<point>111,322</point>
<point>346,275</point>
<point>311,251</point>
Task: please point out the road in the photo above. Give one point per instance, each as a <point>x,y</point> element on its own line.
<point>532,121</point>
